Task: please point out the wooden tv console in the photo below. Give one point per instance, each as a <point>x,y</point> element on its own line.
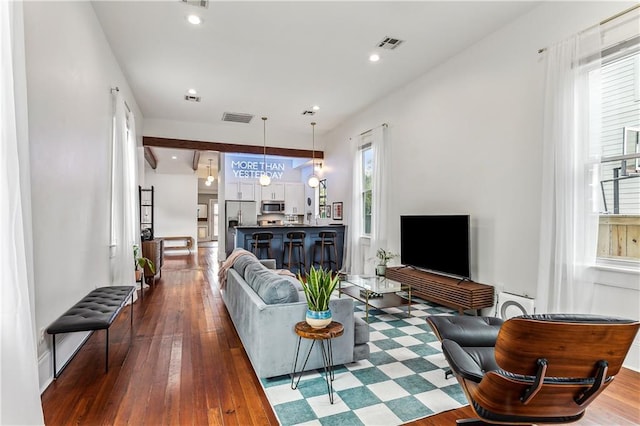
<point>443,290</point>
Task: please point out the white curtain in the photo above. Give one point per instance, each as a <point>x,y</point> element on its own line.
<point>123,194</point>
<point>569,223</point>
<point>362,251</point>
<point>354,263</point>
<point>19,389</point>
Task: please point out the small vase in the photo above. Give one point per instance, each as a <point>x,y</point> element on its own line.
<point>381,270</point>
<point>318,319</point>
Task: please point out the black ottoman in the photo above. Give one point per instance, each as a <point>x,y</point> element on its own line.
<point>476,334</point>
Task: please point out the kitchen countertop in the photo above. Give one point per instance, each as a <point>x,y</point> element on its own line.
<point>244,239</point>
<point>296,225</point>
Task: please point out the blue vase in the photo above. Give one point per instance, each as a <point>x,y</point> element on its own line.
<point>318,319</point>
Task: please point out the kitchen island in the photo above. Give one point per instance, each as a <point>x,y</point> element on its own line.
<point>243,239</point>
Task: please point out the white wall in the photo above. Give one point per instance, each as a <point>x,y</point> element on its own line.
<point>175,202</point>
<point>466,138</point>
<point>70,71</point>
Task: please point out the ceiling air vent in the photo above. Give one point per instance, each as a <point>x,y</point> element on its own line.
<point>192,98</point>
<point>390,43</point>
<point>307,112</point>
<point>197,3</point>
<point>236,117</point>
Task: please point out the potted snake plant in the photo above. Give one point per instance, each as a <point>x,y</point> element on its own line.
<point>318,286</point>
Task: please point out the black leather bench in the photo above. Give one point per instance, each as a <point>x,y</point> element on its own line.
<point>95,311</point>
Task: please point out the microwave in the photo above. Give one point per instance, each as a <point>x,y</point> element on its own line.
<point>272,207</point>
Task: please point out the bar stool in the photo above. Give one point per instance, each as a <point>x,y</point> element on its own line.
<point>295,245</point>
<point>260,242</point>
<point>325,243</point>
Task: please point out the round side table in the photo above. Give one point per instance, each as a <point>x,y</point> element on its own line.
<point>324,335</point>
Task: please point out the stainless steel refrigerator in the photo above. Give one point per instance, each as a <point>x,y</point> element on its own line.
<point>238,213</point>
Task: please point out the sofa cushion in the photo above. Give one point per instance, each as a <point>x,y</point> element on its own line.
<point>251,270</point>
<point>271,287</point>
<point>242,262</point>
<point>361,351</point>
<point>361,331</point>
<point>293,280</point>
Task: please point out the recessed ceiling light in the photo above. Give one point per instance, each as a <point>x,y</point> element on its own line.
<point>192,92</point>
<point>194,19</point>
<point>173,157</point>
<point>316,108</point>
<point>374,57</point>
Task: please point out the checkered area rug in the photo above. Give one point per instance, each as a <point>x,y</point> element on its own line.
<point>403,379</point>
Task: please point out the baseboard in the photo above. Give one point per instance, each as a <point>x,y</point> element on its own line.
<point>66,345</point>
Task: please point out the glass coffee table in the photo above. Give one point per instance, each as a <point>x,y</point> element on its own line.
<point>374,291</point>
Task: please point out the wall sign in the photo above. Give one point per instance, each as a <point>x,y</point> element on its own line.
<point>250,167</point>
<point>243,169</point>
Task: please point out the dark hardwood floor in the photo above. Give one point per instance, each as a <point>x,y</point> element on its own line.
<point>186,366</point>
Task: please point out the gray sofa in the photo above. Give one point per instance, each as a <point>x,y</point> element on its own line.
<point>265,307</point>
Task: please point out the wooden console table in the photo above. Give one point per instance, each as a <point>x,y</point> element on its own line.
<point>444,290</point>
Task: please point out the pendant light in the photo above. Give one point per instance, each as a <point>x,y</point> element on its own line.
<point>265,180</point>
<point>314,180</point>
<point>210,177</point>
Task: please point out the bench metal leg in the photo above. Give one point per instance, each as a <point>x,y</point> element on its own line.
<point>55,369</point>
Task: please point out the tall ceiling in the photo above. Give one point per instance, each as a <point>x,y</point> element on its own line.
<point>278,59</point>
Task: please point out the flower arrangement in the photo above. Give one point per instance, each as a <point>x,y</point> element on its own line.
<point>384,256</point>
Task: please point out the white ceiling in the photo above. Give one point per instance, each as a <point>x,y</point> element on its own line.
<point>278,59</point>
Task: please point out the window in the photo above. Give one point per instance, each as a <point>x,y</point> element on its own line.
<point>322,198</point>
<point>366,156</point>
<point>619,228</point>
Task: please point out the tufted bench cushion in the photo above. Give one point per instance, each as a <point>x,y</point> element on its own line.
<point>95,311</point>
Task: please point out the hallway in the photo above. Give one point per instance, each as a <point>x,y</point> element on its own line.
<point>186,364</point>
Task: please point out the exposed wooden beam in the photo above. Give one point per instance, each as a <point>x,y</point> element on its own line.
<point>150,157</point>
<point>196,160</point>
<point>227,147</point>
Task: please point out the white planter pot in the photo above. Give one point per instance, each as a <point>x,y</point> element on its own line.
<point>318,319</point>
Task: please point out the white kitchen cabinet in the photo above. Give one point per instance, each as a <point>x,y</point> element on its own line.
<point>240,191</point>
<point>257,190</point>
<point>273,192</point>
<point>294,198</point>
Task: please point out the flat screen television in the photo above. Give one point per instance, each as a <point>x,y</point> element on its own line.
<point>439,244</point>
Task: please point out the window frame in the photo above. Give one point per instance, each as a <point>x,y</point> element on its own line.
<point>366,188</point>
<point>611,262</point>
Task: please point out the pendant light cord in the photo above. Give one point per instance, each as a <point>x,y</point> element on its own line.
<point>265,179</point>
<point>313,147</point>
<point>264,138</point>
